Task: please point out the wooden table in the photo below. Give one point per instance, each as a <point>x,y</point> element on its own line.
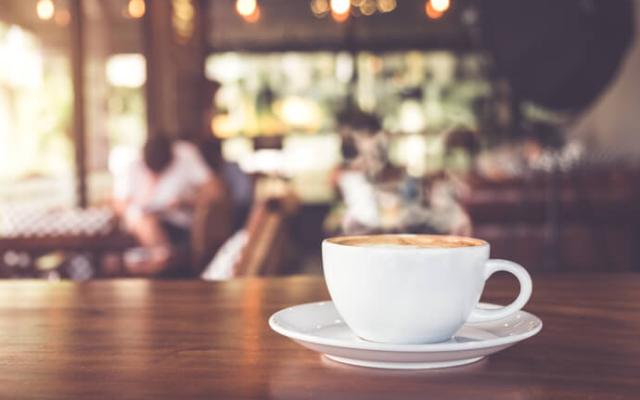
<point>136,339</point>
<point>90,231</point>
<point>92,246</point>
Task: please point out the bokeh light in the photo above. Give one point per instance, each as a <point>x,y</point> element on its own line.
<point>368,7</point>
<point>249,10</point>
<point>62,17</point>
<point>430,11</point>
<point>440,5</point>
<point>136,8</point>
<point>385,6</point>
<point>45,9</point>
<point>320,8</point>
<point>340,6</point>
<point>246,7</point>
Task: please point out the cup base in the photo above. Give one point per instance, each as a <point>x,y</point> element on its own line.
<point>403,365</point>
<point>448,339</point>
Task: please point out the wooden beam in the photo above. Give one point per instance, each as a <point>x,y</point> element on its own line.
<point>79,135</point>
<point>153,90</point>
<point>175,72</point>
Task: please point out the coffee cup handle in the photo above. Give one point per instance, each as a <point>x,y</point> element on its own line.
<point>492,266</point>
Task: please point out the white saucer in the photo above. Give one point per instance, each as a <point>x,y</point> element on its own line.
<point>319,327</point>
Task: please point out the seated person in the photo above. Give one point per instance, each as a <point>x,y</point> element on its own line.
<point>155,199</point>
<point>239,184</point>
<point>215,210</point>
<point>380,197</point>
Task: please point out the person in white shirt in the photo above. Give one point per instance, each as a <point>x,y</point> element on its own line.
<point>155,199</point>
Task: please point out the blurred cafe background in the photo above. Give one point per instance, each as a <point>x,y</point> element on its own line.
<point>215,139</point>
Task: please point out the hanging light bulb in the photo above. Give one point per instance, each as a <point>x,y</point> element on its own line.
<point>45,9</point>
<point>249,10</point>
<point>340,6</point>
<point>246,7</point>
<point>430,11</point>
<point>136,8</point>
<point>254,17</point>
<point>440,5</point>
<point>340,9</point>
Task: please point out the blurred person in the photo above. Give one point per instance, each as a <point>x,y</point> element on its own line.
<point>215,211</point>
<point>380,197</point>
<point>347,173</point>
<point>358,211</point>
<point>239,184</point>
<point>156,198</point>
<point>461,148</point>
<point>349,153</point>
<point>540,147</point>
<point>371,188</point>
<point>460,169</point>
<point>441,209</point>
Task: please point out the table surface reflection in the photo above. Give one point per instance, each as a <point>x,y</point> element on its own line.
<point>135,339</point>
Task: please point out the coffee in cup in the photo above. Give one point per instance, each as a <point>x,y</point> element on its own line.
<point>413,288</point>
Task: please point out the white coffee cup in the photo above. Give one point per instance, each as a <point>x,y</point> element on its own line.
<point>413,288</point>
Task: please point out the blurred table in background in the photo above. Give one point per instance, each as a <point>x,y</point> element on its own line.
<point>138,339</point>
<point>28,233</point>
<point>584,220</point>
<point>587,220</point>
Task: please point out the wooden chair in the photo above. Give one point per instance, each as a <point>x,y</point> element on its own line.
<point>213,224</point>
<point>268,237</point>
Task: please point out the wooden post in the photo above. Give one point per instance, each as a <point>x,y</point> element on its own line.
<point>175,71</point>
<point>79,136</point>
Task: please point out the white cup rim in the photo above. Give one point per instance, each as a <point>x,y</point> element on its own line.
<point>335,241</point>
